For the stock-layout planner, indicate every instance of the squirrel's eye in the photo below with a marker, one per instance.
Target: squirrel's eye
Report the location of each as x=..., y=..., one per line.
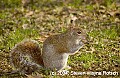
x=79, y=32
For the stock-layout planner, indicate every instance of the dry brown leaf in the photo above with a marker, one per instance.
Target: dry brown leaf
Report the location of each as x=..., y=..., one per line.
x=29, y=13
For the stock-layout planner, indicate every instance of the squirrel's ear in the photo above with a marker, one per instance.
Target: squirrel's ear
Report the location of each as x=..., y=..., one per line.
x=70, y=28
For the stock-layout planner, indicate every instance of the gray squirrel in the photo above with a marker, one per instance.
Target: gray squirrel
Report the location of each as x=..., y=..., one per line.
x=28, y=57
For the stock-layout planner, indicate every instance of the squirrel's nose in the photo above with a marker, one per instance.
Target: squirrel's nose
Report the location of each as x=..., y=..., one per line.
x=84, y=41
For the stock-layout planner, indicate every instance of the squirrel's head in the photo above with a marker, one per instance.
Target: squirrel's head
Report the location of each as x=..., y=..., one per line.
x=78, y=33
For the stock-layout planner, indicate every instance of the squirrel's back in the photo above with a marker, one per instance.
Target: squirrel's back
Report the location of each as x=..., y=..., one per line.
x=26, y=56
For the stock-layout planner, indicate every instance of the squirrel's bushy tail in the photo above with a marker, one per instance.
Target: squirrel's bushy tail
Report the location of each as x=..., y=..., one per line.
x=26, y=56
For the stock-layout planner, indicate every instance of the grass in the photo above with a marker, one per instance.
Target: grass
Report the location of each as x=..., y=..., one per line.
x=100, y=20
